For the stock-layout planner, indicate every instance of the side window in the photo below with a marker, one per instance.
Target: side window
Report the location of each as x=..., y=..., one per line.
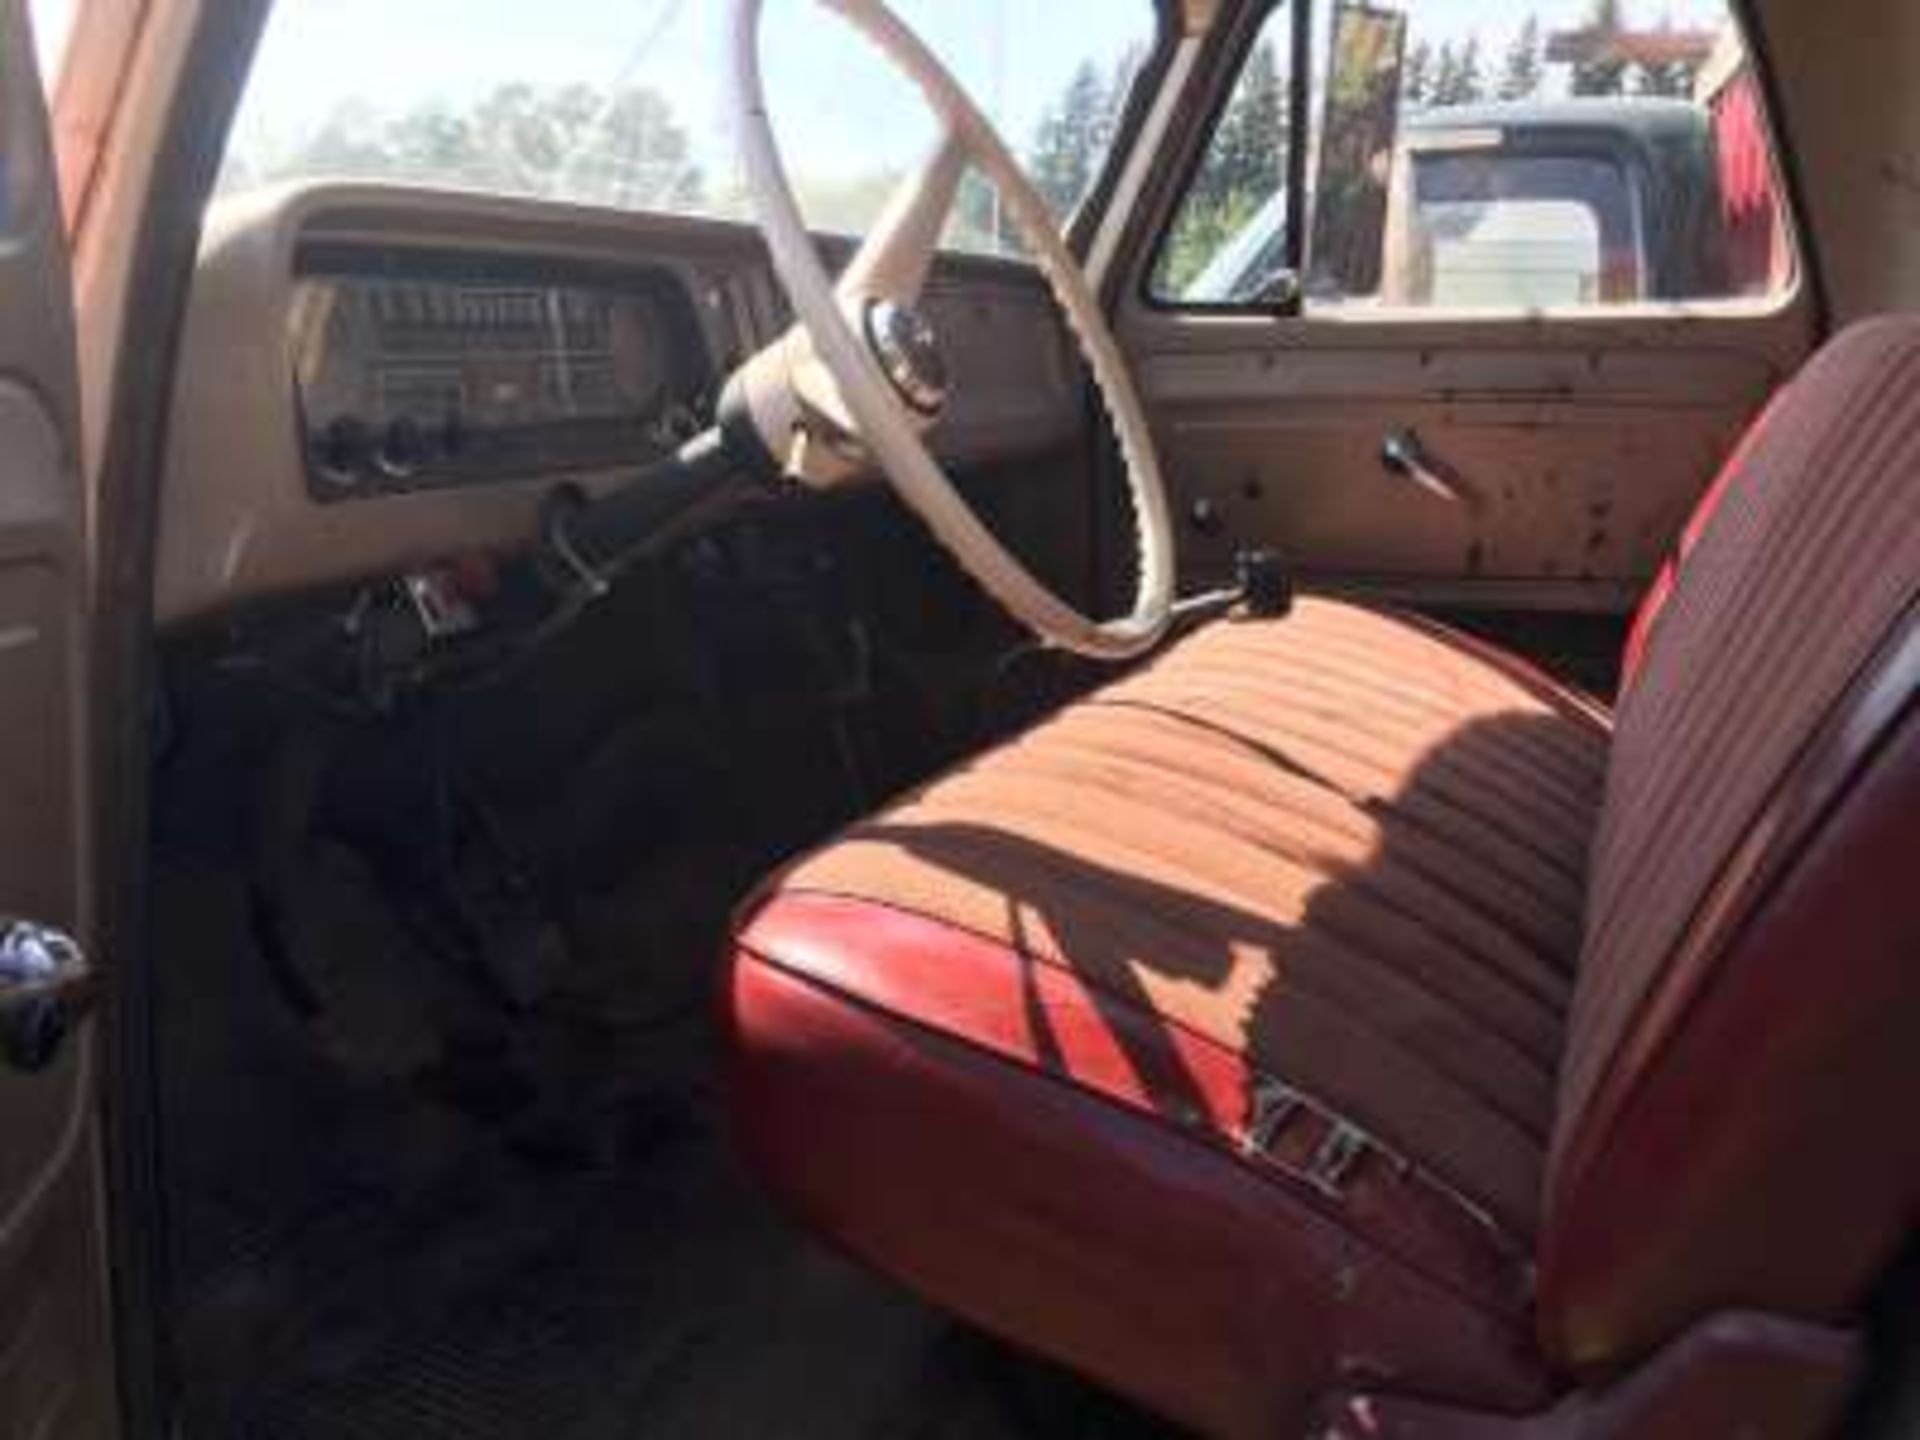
x=1228, y=242
x=1488, y=155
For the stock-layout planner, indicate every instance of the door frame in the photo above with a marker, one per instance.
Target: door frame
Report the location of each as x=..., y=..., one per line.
x=162, y=175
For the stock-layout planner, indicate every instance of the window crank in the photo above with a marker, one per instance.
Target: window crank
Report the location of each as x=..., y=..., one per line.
x=1402, y=454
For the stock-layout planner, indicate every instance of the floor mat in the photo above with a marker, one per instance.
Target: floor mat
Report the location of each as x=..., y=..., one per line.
x=585, y=1260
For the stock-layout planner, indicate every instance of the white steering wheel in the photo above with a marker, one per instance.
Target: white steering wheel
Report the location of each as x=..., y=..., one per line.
x=830, y=366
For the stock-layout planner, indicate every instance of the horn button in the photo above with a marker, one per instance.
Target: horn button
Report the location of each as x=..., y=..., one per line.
x=904, y=344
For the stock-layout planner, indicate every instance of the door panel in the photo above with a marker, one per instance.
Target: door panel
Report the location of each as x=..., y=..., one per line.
x=1580, y=445
x=1579, y=384
x=56, y=1377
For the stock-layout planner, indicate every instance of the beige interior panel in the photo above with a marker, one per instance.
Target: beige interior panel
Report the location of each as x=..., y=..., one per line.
x=237, y=522
x=1853, y=117
x=55, y=1379
x=56, y=1370
x=1582, y=450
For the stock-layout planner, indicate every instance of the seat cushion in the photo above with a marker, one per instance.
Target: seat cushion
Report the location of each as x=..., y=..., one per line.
x=1264, y=952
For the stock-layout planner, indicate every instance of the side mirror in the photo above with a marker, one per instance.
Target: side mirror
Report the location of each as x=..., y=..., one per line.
x=1359, y=130
x=1277, y=289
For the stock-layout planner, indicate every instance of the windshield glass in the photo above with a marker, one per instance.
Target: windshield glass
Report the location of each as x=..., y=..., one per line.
x=624, y=102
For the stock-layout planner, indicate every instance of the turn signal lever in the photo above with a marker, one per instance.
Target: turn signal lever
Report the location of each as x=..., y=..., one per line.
x=593, y=538
x=1266, y=585
x=1262, y=590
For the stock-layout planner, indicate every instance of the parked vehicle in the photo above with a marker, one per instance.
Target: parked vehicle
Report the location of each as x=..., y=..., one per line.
x=1527, y=205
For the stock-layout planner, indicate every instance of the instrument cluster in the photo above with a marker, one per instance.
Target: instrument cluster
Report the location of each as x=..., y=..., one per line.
x=421, y=370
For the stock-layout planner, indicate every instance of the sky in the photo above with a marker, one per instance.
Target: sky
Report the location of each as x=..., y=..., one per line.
x=51, y=21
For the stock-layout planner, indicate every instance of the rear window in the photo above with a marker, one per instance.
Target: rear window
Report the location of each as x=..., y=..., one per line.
x=1512, y=230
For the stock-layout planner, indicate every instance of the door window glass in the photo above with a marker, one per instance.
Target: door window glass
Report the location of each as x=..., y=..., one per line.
x=1500, y=155
x=1228, y=242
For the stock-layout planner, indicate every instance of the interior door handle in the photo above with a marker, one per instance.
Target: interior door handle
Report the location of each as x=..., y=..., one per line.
x=1402, y=454
x=46, y=985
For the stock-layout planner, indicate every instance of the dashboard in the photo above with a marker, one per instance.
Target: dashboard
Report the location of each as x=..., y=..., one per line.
x=374, y=378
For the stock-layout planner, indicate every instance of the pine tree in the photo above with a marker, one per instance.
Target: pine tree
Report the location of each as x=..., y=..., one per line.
x=1603, y=72
x=1446, y=75
x=1473, y=82
x=1067, y=147
x=1416, y=77
x=1456, y=77
x=1245, y=167
x=1113, y=105
x=1249, y=149
x=1524, y=69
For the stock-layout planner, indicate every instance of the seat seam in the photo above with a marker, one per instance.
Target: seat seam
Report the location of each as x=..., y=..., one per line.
x=1373, y=827
x=1307, y=666
x=1364, y=881
x=1369, y=803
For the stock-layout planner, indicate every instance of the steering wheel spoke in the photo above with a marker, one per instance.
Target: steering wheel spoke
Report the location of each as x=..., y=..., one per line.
x=893, y=262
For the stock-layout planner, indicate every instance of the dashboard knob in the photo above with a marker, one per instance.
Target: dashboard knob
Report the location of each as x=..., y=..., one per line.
x=453, y=435
x=340, y=452
x=403, y=450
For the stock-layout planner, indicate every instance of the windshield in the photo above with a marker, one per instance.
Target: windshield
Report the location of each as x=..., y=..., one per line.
x=624, y=102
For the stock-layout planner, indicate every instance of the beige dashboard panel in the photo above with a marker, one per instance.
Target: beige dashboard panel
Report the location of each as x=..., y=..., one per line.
x=237, y=521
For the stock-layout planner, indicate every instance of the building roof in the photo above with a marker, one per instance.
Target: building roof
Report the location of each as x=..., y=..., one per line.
x=1632, y=47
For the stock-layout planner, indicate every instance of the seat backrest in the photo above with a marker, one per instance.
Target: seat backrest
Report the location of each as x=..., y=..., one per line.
x=1735, y=1123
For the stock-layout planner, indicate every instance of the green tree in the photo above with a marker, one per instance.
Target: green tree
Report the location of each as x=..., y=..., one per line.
x=635, y=154
x=623, y=148
x=348, y=143
x=1416, y=76
x=1457, y=74
x=1524, y=68
x=1113, y=105
x=1602, y=71
x=1249, y=150
x=432, y=140
x=1245, y=166
x=1067, y=146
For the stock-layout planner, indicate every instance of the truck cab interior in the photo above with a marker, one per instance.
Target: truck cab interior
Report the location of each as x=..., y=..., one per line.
x=885, y=719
